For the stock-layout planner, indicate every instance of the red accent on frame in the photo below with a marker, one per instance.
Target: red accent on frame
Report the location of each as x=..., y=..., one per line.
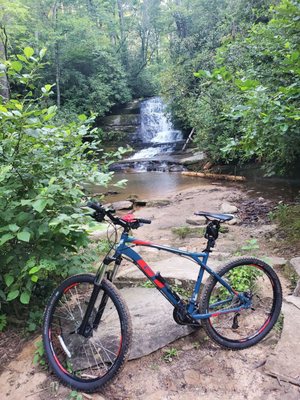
x=141, y=243
x=145, y=268
x=159, y=283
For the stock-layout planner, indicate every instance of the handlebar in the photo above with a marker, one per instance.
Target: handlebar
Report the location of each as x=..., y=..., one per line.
x=127, y=222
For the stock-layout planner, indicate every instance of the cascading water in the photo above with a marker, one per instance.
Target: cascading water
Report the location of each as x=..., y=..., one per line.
x=156, y=131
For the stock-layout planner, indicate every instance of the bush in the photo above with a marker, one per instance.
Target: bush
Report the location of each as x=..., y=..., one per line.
x=43, y=170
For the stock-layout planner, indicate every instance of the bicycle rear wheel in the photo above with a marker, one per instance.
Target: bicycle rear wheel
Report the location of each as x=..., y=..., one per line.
x=86, y=363
x=238, y=330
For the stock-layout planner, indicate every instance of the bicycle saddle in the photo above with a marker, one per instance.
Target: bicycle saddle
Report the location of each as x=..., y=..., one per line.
x=212, y=216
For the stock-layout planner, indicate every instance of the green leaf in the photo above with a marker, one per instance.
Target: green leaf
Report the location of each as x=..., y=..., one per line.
x=25, y=297
x=21, y=57
x=12, y=295
x=16, y=66
x=34, y=278
x=5, y=238
x=43, y=52
x=35, y=269
x=82, y=117
x=8, y=279
x=28, y=51
x=13, y=227
x=24, y=236
x=48, y=87
x=39, y=205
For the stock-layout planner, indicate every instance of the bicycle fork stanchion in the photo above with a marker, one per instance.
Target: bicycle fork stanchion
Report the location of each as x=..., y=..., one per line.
x=85, y=329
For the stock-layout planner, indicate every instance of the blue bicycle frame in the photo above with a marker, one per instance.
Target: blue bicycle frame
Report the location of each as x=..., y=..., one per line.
x=124, y=248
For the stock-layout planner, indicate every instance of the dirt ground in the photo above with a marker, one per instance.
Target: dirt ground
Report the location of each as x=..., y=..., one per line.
x=198, y=369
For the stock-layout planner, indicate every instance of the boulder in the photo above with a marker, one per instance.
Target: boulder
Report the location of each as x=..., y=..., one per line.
x=227, y=208
x=233, y=221
x=158, y=203
x=122, y=205
x=295, y=264
x=194, y=159
x=196, y=220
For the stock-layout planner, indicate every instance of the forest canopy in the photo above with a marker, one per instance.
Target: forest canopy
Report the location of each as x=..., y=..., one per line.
x=228, y=68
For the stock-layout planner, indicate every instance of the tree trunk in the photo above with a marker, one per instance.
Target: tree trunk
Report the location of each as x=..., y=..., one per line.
x=56, y=56
x=58, y=102
x=124, y=50
x=4, y=84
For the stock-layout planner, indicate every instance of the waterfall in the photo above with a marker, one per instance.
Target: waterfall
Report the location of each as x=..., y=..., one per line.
x=156, y=130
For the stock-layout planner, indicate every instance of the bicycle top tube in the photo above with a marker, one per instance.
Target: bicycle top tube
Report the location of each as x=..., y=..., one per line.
x=126, y=239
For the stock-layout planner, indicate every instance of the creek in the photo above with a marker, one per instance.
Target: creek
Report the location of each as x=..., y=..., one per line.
x=153, y=171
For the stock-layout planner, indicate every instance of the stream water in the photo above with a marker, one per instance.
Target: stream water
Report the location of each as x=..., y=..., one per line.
x=159, y=185
x=161, y=140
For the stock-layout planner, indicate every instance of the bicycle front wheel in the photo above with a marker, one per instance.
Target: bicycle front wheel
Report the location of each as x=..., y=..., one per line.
x=86, y=363
x=254, y=280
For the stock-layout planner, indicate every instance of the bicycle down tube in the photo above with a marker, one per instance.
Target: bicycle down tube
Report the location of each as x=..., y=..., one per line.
x=162, y=285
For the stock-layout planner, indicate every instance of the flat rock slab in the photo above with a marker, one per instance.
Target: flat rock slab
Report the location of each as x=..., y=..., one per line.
x=173, y=267
x=284, y=363
x=152, y=321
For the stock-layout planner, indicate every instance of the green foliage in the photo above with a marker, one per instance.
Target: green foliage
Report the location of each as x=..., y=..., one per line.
x=39, y=354
x=186, y=231
x=170, y=354
x=279, y=324
x=288, y=220
x=243, y=98
x=244, y=278
x=43, y=171
x=74, y=395
x=250, y=245
x=3, y=322
x=148, y=284
x=181, y=291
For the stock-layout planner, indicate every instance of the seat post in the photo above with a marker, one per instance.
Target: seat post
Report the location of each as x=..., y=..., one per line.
x=211, y=234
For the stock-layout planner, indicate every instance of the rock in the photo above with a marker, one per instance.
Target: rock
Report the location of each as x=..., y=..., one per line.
x=192, y=377
x=227, y=208
x=295, y=264
x=284, y=362
x=158, y=203
x=196, y=220
x=122, y=205
x=207, y=165
x=170, y=268
x=233, y=221
x=141, y=203
x=175, y=168
x=194, y=159
x=152, y=321
x=276, y=262
x=297, y=290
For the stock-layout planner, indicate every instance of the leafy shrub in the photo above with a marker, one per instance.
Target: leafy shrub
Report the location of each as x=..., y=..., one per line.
x=288, y=219
x=43, y=171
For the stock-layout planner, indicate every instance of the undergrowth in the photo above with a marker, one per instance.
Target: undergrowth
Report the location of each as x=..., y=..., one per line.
x=288, y=219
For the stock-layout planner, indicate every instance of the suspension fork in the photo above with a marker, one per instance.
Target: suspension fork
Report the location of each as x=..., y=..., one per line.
x=110, y=276
x=85, y=329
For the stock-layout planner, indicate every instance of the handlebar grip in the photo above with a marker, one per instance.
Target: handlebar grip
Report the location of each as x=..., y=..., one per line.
x=95, y=206
x=144, y=221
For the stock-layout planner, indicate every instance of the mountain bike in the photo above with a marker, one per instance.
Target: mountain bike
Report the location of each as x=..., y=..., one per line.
x=87, y=328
